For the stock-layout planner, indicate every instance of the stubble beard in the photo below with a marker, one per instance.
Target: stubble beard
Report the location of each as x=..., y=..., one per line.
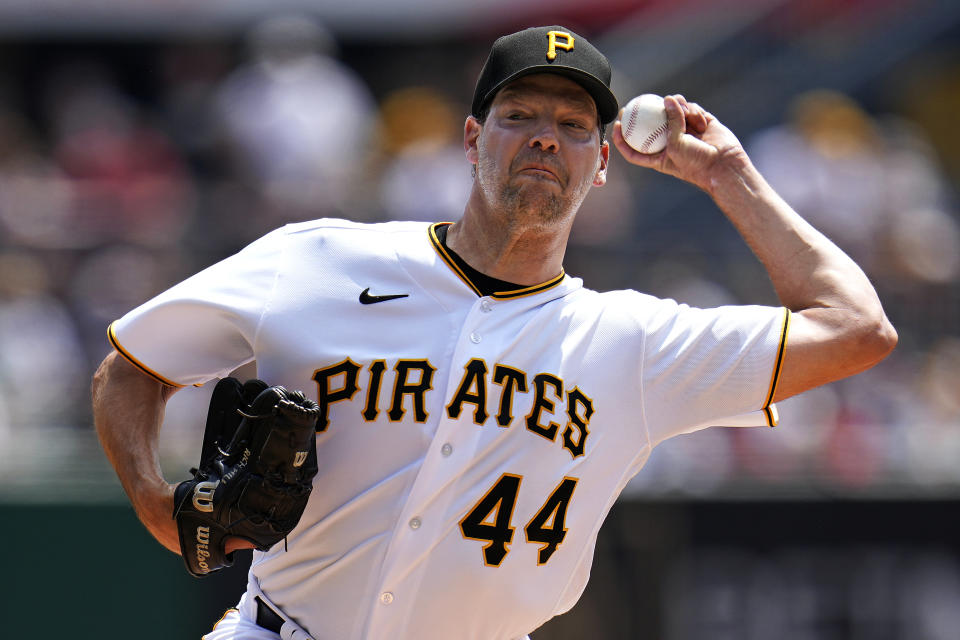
x=523, y=204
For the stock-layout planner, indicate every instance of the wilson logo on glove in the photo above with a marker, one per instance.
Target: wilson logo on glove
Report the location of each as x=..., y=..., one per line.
x=203, y=496
x=203, y=546
x=299, y=458
x=256, y=471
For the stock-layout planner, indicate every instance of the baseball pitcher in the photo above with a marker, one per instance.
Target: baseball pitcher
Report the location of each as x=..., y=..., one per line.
x=475, y=410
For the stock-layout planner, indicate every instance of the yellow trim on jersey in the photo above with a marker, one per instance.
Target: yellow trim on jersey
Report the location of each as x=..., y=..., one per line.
x=529, y=291
x=225, y=614
x=500, y=295
x=112, y=336
x=768, y=407
x=773, y=415
x=439, y=248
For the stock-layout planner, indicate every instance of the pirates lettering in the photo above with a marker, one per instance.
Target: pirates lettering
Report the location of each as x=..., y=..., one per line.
x=553, y=409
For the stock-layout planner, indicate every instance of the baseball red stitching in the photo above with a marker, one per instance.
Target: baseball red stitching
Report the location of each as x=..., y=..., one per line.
x=632, y=121
x=654, y=135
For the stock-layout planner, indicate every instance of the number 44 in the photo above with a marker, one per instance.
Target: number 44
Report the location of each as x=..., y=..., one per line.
x=489, y=520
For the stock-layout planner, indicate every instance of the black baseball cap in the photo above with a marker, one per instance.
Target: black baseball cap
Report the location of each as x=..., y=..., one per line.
x=546, y=50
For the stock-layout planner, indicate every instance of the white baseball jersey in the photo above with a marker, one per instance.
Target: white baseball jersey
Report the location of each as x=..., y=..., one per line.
x=470, y=445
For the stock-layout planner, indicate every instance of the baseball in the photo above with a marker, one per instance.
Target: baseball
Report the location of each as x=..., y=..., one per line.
x=644, y=123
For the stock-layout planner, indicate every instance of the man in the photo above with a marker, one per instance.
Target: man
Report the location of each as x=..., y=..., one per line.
x=481, y=410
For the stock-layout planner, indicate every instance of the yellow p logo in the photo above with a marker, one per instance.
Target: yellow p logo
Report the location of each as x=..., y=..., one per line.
x=553, y=44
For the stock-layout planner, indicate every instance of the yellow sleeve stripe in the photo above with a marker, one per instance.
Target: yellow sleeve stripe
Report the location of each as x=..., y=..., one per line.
x=112, y=336
x=773, y=416
x=768, y=407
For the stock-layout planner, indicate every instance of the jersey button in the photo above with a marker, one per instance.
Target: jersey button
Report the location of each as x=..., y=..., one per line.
x=446, y=450
x=475, y=338
x=486, y=306
x=415, y=523
x=386, y=597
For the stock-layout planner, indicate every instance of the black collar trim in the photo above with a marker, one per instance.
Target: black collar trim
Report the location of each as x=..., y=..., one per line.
x=479, y=283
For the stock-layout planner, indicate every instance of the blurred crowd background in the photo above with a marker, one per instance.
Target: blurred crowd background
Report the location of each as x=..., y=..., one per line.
x=141, y=142
x=134, y=155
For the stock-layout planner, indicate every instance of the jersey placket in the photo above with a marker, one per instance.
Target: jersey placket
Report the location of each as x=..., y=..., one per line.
x=450, y=452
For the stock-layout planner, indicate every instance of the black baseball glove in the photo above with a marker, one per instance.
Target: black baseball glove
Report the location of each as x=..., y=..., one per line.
x=256, y=471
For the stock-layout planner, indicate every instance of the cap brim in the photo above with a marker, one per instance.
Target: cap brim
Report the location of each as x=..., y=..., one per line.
x=607, y=105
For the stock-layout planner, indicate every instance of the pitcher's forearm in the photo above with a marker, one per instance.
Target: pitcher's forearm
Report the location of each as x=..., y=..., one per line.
x=807, y=270
x=835, y=306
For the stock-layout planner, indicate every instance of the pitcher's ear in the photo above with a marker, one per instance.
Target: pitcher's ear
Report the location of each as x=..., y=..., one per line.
x=471, y=131
x=600, y=178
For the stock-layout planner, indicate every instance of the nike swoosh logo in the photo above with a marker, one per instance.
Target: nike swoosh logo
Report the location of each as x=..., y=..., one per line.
x=366, y=298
